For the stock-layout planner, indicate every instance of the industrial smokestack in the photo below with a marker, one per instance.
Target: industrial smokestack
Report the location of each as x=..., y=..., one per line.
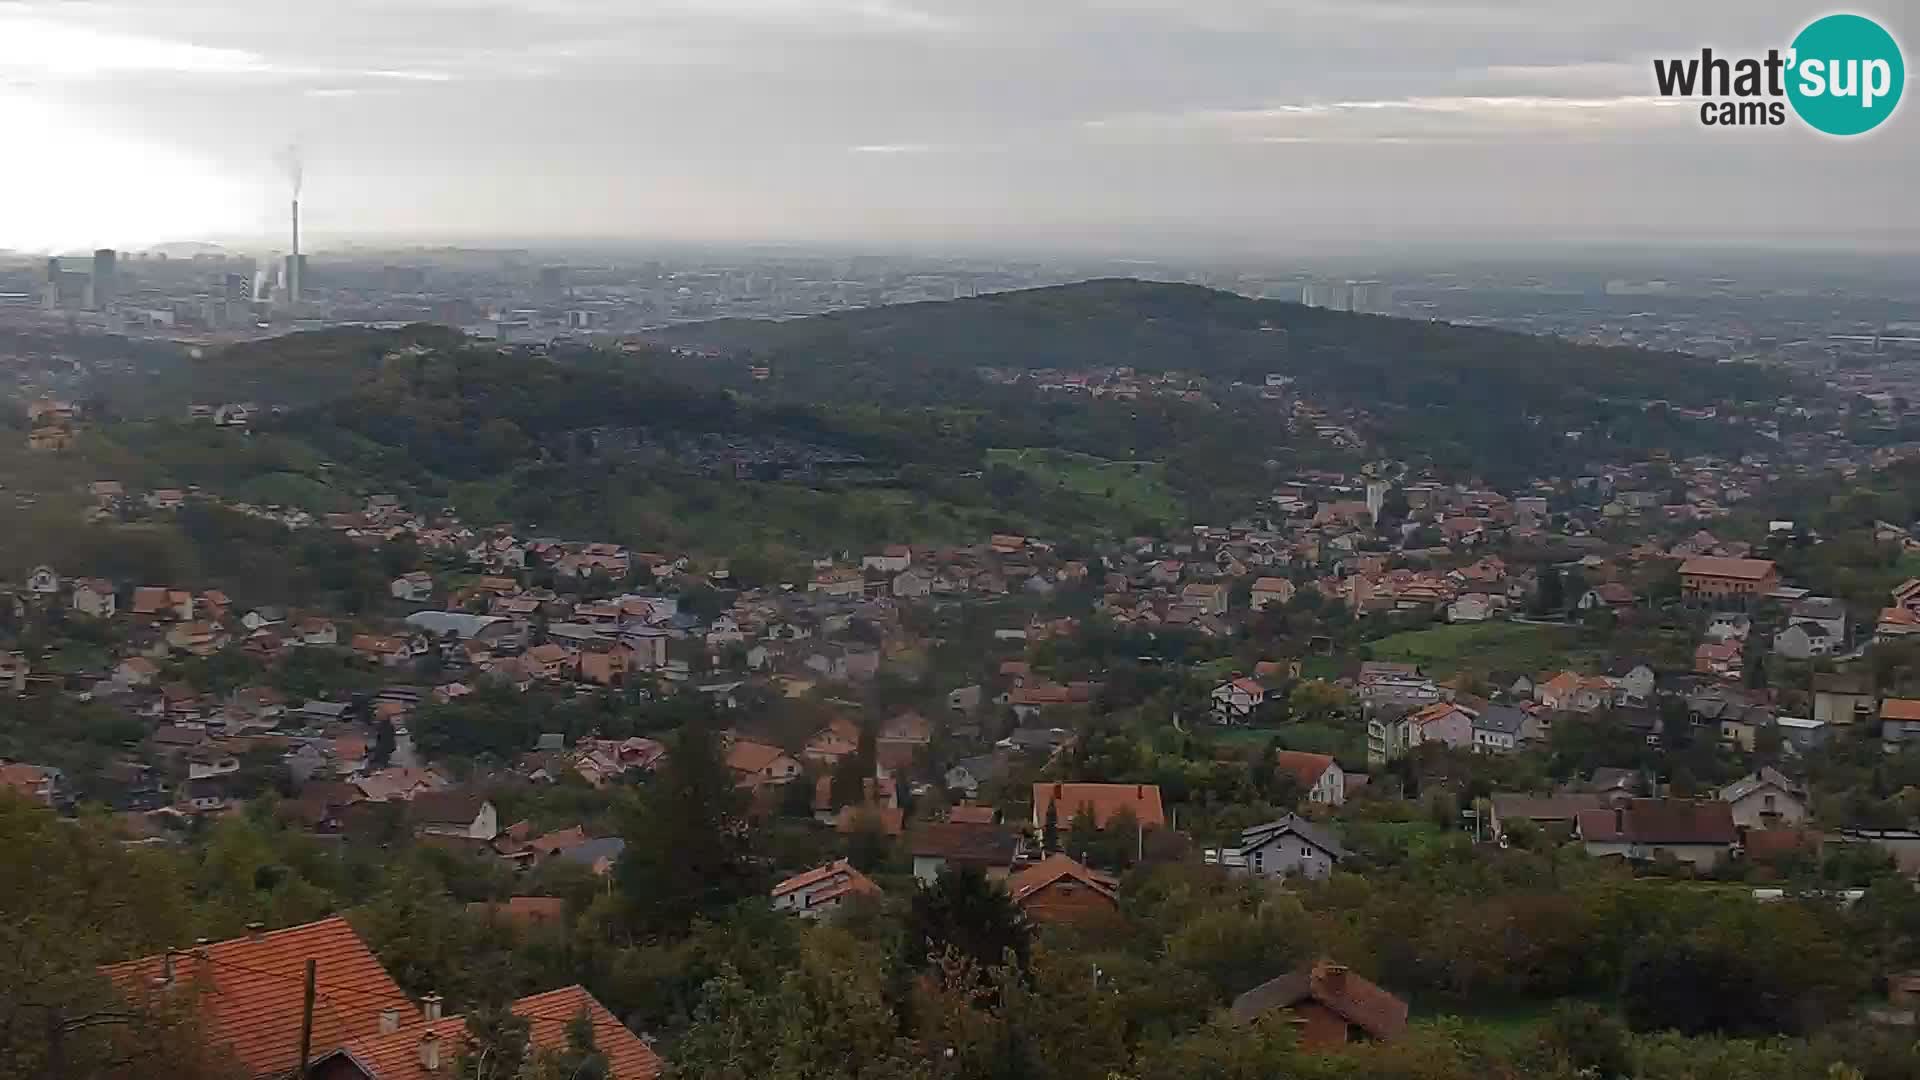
x=293, y=264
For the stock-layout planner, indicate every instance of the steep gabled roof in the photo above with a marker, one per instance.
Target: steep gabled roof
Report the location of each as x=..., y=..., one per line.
x=1053, y=868
x=250, y=990
x=1356, y=1000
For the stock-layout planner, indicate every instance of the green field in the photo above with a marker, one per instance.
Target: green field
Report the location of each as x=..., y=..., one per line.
x=1137, y=489
x=1480, y=647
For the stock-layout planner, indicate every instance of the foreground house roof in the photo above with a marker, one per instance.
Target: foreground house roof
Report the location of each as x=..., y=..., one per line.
x=250, y=990
x=1354, y=999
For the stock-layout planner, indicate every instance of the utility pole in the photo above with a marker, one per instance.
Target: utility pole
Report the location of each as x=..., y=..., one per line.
x=306, y=1026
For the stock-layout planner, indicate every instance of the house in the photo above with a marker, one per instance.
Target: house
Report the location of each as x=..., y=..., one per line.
x=1633, y=680
x=1700, y=833
x=1235, y=700
x=1611, y=596
x=1470, y=608
x=549, y=661
x=1104, y=800
x=158, y=603
x=1805, y=640
x=938, y=845
x=42, y=785
x=1497, y=729
x=250, y=991
x=1899, y=721
x=968, y=775
x=95, y=597
x=1572, y=692
x=317, y=632
x=1329, y=1005
x=416, y=586
x=1830, y=613
x=892, y=560
x=429, y=1045
x=14, y=669
x=1289, y=846
x=388, y=651
x=1441, y=722
x=464, y=814
x=598, y=855
x=1714, y=578
x=821, y=890
x=1558, y=812
x=1059, y=890
x=1765, y=800
x=1319, y=776
x=1843, y=699
x=1271, y=592
x=42, y=582
x=755, y=763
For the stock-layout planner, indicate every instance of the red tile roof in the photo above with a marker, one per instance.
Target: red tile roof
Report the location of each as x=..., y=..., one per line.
x=251, y=990
x=1052, y=869
x=1105, y=799
x=1302, y=766
x=1355, y=999
x=1716, y=566
x=396, y=1055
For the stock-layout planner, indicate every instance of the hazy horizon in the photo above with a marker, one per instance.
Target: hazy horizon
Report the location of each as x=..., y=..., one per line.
x=1151, y=128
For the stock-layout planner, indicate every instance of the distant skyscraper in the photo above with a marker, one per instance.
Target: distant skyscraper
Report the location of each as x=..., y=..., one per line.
x=1326, y=294
x=1371, y=297
x=104, y=290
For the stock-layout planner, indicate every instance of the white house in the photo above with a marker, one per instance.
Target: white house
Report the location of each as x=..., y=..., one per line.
x=43, y=581
x=892, y=560
x=1765, y=800
x=1271, y=592
x=93, y=596
x=1235, y=700
x=416, y=586
x=1319, y=775
x=1470, y=608
x=453, y=813
x=1805, y=640
x=1289, y=846
x=821, y=890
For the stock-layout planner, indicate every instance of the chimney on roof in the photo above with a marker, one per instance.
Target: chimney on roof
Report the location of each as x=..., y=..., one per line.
x=430, y=1007
x=166, y=969
x=1058, y=792
x=389, y=1021
x=1619, y=819
x=1139, y=791
x=255, y=929
x=430, y=1051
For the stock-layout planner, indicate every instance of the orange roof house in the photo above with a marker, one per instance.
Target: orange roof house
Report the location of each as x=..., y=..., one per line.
x=1330, y=1005
x=1709, y=576
x=1106, y=800
x=430, y=1048
x=250, y=990
x=1058, y=889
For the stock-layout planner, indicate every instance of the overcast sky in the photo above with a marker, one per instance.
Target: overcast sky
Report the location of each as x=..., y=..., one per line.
x=1309, y=124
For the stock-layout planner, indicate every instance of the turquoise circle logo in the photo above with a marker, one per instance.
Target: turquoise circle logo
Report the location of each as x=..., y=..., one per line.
x=1847, y=75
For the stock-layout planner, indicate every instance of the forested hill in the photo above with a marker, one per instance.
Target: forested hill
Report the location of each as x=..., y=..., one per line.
x=1166, y=327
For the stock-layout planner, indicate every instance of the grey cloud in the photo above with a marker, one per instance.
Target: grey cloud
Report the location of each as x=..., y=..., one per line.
x=975, y=120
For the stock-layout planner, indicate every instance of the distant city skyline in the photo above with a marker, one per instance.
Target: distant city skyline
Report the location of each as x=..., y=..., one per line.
x=1306, y=127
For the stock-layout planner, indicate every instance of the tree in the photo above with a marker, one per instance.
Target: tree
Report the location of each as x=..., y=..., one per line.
x=867, y=845
x=495, y=1047
x=383, y=743
x=1083, y=833
x=688, y=846
x=579, y=1059
x=851, y=773
x=1551, y=595
x=1050, y=829
x=963, y=911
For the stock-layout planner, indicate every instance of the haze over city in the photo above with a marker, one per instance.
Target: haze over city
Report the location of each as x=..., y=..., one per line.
x=1148, y=125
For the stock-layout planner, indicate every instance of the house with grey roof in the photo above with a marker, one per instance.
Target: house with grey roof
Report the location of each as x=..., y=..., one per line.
x=1290, y=846
x=1497, y=728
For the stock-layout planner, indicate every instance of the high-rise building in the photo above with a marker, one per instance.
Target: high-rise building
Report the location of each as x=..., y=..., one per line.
x=1371, y=297
x=104, y=290
x=1333, y=295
